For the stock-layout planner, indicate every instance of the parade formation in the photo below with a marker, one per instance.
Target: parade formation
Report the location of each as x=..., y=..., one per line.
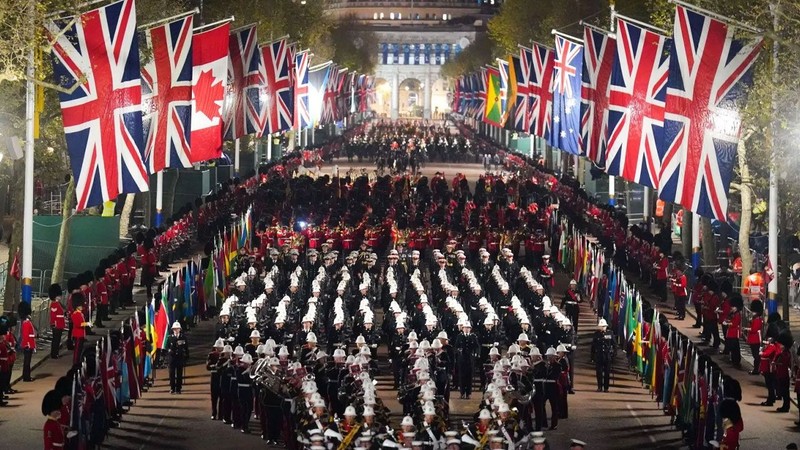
x=435, y=285
x=371, y=278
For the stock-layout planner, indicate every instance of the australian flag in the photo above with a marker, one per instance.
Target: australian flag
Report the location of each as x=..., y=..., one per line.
x=567, y=96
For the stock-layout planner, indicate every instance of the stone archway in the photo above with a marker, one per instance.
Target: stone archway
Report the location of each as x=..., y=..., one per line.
x=383, y=97
x=411, y=98
x=422, y=78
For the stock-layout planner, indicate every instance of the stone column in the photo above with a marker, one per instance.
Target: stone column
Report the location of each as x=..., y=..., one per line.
x=426, y=96
x=395, y=96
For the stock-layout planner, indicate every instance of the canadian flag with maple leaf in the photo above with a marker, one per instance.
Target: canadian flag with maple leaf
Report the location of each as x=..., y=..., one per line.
x=209, y=79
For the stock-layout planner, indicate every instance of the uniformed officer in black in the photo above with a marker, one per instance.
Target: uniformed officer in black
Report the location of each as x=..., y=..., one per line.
x=602, y=354
x=466, y=346
x=178, y=351
x=571, y=303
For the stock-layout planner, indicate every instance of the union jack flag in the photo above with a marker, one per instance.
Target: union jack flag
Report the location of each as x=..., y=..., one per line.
x=371, y=94
x=330, y=94
x=167, y=96
x=598, y=57
x=540, y=104
x=318, y=77
x=636, y=110
x=103, y=116
x=708, y=71
x=522, y=67
x=277, y=97
x=302, y=115
x=457, y=95
x=343, y=94
x=479, y=96
x=243, y=112
x=567, y=68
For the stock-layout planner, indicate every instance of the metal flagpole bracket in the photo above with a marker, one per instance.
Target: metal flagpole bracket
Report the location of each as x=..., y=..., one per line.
x=254, y=24
x=642, y=24
x=567, y=36
x=598, y=29
x=167, y=19
x=213, y=24
x=549, y=47
x=64, y=11
x=717, y=16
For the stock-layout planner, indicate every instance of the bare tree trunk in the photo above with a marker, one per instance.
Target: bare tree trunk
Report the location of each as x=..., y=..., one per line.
x=172, y=188
x=11, y=296
x=686, y=234
x=63, y=235
x=746, y=194
x=125, y=215
x=666, y=221
x=709, y=246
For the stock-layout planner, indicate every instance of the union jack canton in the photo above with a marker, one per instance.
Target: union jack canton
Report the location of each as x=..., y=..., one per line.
x=636, y=111
x=103, y=116
x=708, y=70
x=167, y=95
x=277, y=100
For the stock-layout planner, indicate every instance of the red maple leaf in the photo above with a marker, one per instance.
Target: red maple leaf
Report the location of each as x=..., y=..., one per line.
x=207, y=91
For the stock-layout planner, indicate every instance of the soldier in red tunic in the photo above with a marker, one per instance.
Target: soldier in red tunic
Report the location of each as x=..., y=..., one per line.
x=28, y=337
x=54, y=437
x=57, y=320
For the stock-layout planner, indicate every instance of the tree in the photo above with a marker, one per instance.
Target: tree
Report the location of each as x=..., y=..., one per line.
x=306, y=23
x=353, y=46
x=21, y=26
x=477, y=54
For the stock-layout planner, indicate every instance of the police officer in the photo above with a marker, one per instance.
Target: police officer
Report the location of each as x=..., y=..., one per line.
x=602, y=354
x=178, y=351
x=467, y=347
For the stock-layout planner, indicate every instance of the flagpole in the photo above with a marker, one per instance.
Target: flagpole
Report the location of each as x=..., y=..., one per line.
x=269, y=147
x=236, y=157
x=772, y=209
x=27, y=217
x=640, y=23
x=567, y=36
x=167, y=19
x=159, y=197
x=213, y=24
x=612, y=188
x=716, y=16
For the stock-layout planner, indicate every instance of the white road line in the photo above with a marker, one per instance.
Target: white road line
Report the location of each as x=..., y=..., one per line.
x=635, y=416
x=160, y=422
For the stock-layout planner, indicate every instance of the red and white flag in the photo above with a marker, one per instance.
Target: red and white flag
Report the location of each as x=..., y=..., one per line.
x=209, y=84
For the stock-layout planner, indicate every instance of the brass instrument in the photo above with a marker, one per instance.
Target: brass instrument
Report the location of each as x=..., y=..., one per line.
x=348, y=440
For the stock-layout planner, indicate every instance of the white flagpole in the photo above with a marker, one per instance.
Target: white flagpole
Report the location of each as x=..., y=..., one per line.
x=236, y=157
x=159, y=197
x=612, y=194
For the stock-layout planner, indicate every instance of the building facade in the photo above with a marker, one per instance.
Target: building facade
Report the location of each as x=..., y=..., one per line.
x=415, y=38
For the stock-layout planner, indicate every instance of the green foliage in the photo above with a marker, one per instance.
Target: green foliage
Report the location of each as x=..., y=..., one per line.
x=305, y=23
x=353, y=46
x=477, y=54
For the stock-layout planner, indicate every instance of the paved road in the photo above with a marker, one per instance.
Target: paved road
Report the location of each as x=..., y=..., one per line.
x=624, y=418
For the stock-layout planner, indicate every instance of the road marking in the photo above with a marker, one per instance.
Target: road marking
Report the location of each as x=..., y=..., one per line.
x=635, y=416
x=160, y=422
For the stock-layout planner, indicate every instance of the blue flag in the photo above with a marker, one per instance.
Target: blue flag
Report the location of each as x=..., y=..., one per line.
x=567, y=96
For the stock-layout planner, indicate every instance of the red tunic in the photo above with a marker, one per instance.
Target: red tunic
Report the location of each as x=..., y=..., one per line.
x=53, y=435
x=57, y=320
x=754, y=335
x=734, y=326
x=77, y=325
x=28, y=335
